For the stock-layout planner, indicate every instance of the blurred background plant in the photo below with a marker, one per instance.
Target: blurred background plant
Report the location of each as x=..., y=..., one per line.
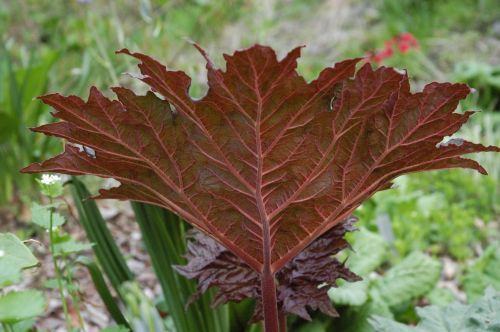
x=449, y=217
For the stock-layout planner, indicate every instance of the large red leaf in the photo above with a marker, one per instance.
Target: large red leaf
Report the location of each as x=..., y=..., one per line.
x=265, y=162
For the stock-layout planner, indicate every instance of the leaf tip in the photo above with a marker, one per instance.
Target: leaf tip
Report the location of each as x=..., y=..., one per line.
x=203, y=53
x=123, y=51
x=30, y=169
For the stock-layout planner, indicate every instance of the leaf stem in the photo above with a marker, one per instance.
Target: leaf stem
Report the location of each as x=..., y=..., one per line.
x=57, y=271
x=269, y=301
x=282, y=320
x=73, y=292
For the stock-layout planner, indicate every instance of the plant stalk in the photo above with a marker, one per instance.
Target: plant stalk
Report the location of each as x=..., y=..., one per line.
x=269, y=301
x=282, y=319
x=57, y=271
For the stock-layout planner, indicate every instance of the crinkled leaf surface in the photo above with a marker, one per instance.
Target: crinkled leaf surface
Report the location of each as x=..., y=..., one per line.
x=415, y=276
x=265, y=162
x=302, y=283
x=483, y=273
x=481, y=316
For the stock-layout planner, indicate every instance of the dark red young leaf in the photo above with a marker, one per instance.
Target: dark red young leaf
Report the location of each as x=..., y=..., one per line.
x=303, y=282
x=265, y=162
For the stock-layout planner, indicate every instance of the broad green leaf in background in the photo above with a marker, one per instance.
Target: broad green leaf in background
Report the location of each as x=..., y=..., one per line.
x=350, y=293
x=40, y=215
x=416, y=275
x=18, y=306
x=370, y=250
x=355, y=319
x=14, y=257
x=382, y=324
x=483, y=273
x=480, y=317
x=440, y=296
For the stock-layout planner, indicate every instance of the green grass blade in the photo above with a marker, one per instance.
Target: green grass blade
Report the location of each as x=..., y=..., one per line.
x=107, y=252
x=163, y=234
x=104, y=292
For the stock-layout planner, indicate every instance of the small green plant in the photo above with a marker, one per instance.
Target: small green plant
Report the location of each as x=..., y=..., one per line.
x=140, y=311
x=17, y=308
x=62, y=245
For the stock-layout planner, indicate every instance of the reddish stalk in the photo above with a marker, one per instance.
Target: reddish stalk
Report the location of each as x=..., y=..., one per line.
x=269, y=302
x=282, y=319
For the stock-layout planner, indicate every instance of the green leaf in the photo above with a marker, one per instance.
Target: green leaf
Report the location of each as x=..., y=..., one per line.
x=70, y=246
x=480, y=317
x=382, y=324
x=14, y=257
x=314, y=326
x=24, y=326
x=52, y=283
x=350, y=293
x=440, y=296
x=9, y=277
x=369, y=252
x=355, y=319
x=416, y=275
x=18, y=306
x=484, y=272
x=40, y=215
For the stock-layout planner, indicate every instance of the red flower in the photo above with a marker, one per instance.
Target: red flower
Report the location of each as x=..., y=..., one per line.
x=405, y=42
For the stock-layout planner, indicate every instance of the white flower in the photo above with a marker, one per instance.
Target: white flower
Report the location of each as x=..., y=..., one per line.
x=2, y=253
x=49, y=179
